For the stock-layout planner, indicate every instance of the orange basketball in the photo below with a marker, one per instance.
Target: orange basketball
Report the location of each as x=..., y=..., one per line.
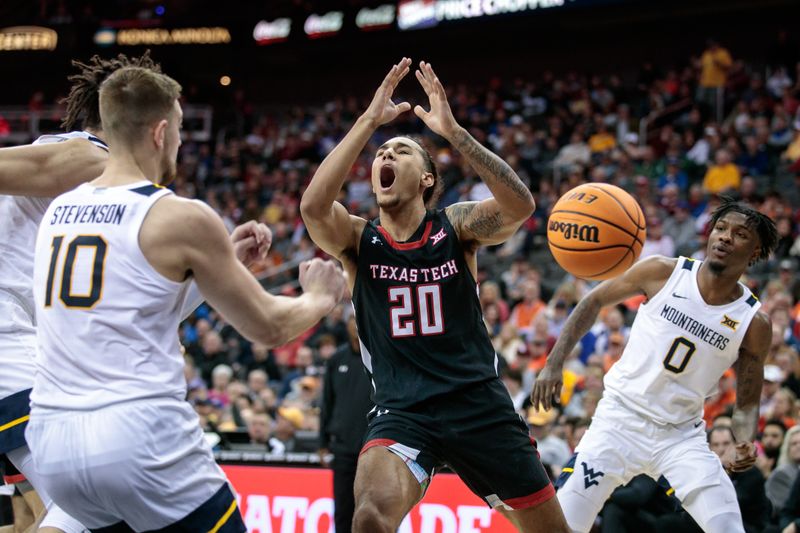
x=596, y=231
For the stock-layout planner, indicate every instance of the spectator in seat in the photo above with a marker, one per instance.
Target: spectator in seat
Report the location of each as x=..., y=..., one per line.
x=680, y=227
x=780, y=481
x=723, y=175
x=772, y=437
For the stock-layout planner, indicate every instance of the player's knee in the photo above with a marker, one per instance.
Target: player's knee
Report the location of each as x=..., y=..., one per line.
x=368, y=518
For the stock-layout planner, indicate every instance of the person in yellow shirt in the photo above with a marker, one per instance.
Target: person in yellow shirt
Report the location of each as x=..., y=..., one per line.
x=723, y=175
x=792, y=152
x=714, y=64
x=602, y=140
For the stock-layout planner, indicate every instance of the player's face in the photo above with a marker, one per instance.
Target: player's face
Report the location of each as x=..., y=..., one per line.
x=172, y=141
x=398, y=173
x=732, y=245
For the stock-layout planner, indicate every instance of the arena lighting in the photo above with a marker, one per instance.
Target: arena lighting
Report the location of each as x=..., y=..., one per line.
x=272, y=32
x=317, y=26
x=105, y=37
x=416, y=14
x=162, y=36
x=225, y=81
x=27, y=38
x=379, y=18
x=461, y=9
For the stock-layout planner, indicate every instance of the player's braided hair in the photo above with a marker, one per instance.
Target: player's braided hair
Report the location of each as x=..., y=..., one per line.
x=758, y=222
x=83, y=101
x=431, y=195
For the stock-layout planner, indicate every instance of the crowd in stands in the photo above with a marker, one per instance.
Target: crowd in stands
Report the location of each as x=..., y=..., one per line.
x=713, y=126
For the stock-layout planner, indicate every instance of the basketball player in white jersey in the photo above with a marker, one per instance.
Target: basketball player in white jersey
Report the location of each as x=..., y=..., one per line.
x=113, y=440
x=29, y=177
x=697, y=321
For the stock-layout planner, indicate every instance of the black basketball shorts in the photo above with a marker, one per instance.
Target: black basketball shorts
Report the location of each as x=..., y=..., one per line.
x=477, y=434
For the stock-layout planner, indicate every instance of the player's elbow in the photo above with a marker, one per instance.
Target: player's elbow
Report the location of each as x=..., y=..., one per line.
x=312, y=208
x=270, y=336
x=523, y=208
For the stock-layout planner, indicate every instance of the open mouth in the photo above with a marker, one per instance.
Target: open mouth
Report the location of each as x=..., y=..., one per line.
x=387, y=176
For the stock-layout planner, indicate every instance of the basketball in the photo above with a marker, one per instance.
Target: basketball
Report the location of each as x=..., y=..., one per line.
x=596, y=231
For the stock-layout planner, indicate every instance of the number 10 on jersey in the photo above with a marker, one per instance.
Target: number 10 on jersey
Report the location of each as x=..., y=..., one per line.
x=428, y=317
x=95, y=271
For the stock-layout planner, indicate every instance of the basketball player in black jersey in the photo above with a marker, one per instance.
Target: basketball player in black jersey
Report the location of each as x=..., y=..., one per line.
x=438, y=399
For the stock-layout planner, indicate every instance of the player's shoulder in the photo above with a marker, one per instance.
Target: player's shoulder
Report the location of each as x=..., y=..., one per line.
x=182, y=213
x=656, y=266
x=72, y=137
x=760, y=325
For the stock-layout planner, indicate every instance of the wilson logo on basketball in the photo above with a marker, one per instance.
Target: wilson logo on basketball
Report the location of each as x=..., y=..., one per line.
x=571, y=230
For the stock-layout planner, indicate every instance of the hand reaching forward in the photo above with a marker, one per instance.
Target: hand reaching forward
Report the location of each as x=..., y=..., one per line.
x=547, y=388
x=382, y=109
x=440, y=118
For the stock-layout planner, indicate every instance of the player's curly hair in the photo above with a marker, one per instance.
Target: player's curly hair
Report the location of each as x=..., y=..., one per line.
x=83, y=101
x=431, y=195
x=755, y=220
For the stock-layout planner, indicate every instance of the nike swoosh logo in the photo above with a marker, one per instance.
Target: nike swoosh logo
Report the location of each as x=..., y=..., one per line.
x=698, y=424
x=679, y=296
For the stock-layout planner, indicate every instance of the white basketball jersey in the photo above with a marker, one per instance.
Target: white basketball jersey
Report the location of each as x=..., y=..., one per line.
x=679, y=347
x=107, y=321
x=19, y=222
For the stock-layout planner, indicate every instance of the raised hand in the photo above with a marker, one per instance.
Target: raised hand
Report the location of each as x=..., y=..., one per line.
x=251, y=242
x=440, y=118
x=382, y=109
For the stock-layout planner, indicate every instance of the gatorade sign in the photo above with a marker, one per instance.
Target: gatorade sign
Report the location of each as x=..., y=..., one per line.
x=288, y=500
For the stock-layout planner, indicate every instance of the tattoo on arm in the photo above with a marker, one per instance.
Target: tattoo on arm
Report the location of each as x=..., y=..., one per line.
x=750, y=377
x=480, y=224
x=491, y=168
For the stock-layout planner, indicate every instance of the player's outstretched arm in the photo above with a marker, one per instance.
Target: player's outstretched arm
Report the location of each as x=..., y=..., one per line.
x=495, y=219
x=48, y=170
x=749, y=381
x=328, y=223
x=181, y=237
x=646, y=277
x=251, y=242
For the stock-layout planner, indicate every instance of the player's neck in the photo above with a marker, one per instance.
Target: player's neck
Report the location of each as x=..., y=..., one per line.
x=718, y=288
x=402, y=223
x=125, y=167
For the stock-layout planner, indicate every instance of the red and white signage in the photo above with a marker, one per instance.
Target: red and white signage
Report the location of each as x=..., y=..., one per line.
x=317, y=26
x=275, y=31
x=289, y=500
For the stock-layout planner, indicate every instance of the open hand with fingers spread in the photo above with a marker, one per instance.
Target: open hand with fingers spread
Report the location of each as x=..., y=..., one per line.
x=440, y=118
x=382, y=109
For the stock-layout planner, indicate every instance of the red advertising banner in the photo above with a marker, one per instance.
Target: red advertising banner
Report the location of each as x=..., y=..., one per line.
x=289, y=500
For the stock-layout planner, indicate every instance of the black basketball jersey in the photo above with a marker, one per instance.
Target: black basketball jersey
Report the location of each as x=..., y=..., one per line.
x=418, y=314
